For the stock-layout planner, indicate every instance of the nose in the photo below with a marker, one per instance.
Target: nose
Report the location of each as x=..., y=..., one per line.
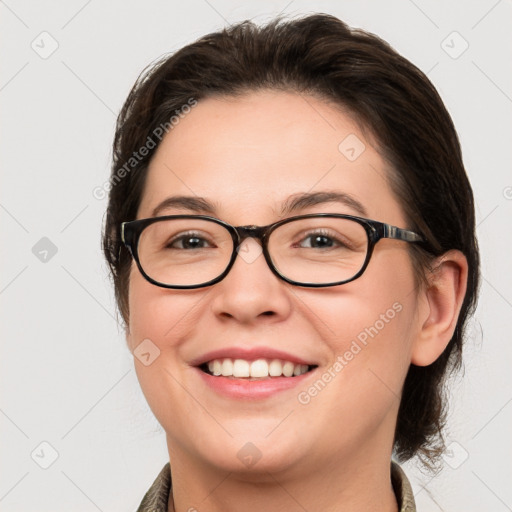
x=251, y=291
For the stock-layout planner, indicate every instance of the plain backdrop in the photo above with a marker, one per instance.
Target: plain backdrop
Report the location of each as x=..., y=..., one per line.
x=76, y=433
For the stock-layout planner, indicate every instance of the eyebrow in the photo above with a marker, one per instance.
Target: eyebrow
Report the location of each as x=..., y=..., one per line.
x=293, y=204
x=301, y=201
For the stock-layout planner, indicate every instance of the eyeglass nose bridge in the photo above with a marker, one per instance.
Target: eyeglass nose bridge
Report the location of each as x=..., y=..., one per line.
x=259, y=233
x=244, y=232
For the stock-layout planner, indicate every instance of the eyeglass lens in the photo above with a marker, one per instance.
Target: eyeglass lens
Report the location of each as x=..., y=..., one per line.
x=317, y=250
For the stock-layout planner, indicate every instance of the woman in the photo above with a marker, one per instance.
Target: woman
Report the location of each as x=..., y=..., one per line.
x=291, y=235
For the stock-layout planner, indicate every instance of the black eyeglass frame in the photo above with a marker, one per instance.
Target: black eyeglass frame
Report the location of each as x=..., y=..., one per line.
x=375, y=230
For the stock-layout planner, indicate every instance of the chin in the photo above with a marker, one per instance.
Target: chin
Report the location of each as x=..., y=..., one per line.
x=253, y=460
x=249, y=454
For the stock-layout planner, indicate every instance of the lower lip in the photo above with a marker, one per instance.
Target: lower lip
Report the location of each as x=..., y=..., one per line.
x=251, y=389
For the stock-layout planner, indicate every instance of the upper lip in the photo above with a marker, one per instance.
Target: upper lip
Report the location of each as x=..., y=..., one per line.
x=249, y=354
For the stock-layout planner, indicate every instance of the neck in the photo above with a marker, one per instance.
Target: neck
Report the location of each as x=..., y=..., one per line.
x=358, y=483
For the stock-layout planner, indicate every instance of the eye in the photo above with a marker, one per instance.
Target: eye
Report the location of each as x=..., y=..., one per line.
x=189, y=240
x=321, y=240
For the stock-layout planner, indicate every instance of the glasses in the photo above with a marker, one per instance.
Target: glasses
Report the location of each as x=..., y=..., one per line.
x=316, y=250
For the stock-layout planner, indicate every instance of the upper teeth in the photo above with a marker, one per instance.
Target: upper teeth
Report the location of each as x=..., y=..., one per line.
x=258, y=368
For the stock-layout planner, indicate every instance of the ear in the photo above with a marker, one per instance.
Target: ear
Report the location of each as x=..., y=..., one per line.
x=440, y=307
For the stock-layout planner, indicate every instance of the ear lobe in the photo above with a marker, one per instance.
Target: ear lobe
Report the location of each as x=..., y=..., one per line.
x=441, y=306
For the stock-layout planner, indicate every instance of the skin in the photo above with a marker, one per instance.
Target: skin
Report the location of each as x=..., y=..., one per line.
x=248, y=155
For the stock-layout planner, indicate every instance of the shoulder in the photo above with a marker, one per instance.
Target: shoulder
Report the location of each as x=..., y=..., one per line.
x=156, y=498
x=402, y=488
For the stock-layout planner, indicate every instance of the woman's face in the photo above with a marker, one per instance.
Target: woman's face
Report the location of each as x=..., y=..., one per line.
x=248, y=156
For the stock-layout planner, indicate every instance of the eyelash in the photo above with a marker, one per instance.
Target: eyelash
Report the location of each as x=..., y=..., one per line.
x=191, y=234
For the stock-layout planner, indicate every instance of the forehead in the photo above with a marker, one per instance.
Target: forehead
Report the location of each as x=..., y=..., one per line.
x=247, y=155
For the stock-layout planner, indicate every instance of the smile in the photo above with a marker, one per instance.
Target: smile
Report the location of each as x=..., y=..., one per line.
x=252, y=373
x=257, y=369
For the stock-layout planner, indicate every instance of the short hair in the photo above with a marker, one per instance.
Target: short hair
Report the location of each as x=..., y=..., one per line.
x=393, y=102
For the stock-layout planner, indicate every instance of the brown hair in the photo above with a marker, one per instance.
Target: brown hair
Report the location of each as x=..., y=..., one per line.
x=397, y=104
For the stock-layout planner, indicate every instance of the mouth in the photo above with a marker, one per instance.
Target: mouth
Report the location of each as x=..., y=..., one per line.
x=252, y=373
x=254, y=370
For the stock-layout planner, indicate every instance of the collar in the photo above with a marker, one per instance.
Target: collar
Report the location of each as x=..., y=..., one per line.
x=157, y=497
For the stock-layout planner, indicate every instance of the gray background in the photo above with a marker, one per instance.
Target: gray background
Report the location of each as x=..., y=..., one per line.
x=67, y=379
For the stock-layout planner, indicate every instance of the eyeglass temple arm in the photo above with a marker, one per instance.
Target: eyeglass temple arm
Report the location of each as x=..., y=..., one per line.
x=126, y=236
x=389, y=231
x=386, y=231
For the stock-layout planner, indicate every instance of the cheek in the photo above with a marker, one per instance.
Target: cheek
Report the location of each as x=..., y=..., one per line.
x=365, y=331
x=380, y=305
x=369, y=327
x=159, y=320
x=388, y=302
x=158, y=314
x=370, y=339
